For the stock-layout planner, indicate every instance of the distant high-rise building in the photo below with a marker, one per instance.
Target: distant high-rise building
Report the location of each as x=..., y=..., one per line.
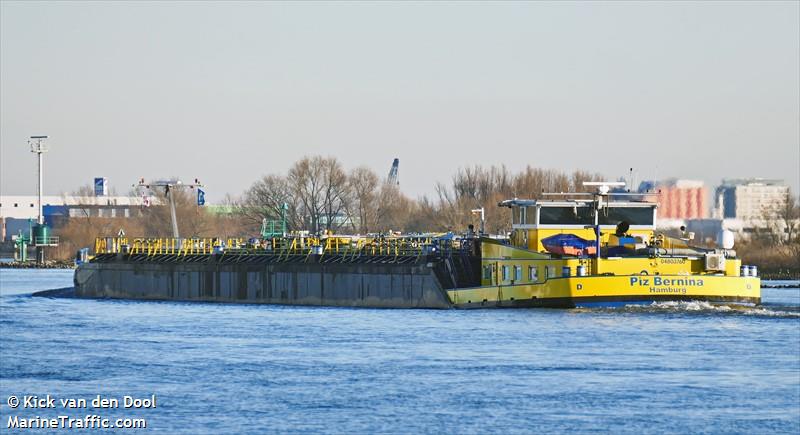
x=748, y=200
x=679, y=199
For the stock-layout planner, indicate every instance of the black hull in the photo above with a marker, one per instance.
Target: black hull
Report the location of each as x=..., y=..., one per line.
x=378, y=282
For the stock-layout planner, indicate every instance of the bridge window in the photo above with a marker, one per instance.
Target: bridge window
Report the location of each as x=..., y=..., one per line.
x=530, y=216
x=566, y=216
x=632, y=215
x=517, y=273
x=487, y=272
x=505, y=273
x=518, y=215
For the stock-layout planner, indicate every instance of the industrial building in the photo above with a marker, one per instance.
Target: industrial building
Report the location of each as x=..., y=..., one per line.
x=748, y=200
x=17, y=211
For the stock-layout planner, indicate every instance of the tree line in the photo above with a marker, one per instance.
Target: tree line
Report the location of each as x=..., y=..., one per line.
x=320, y=195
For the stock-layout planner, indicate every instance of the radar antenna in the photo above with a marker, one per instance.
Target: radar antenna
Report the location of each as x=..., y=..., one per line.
x=603, y=187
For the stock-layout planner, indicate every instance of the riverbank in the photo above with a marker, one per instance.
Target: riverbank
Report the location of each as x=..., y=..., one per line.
x=52, y=264
x=778, y=274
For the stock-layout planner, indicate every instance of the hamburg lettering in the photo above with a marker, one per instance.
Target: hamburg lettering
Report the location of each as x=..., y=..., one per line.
x=681, y=290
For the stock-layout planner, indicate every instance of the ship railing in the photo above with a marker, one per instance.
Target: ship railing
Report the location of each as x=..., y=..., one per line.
x=283, y=246
x=45, y=241
x=164, y=246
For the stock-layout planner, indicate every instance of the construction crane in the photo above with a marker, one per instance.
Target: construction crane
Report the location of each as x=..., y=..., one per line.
x=393, y=178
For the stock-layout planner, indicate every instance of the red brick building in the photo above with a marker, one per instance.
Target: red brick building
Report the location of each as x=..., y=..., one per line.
x=682, y=199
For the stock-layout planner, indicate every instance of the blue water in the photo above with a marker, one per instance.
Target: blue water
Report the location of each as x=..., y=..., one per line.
x=216, y=368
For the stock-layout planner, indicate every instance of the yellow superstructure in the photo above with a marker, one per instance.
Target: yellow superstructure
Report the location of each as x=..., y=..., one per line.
x=637, y=266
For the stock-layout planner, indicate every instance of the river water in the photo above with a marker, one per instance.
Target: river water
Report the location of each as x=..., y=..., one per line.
x=226, y=368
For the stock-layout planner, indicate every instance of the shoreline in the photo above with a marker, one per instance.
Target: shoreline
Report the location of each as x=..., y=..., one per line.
x=32, y=265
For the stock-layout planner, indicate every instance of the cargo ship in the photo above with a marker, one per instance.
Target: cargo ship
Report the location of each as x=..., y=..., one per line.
x=565, y=251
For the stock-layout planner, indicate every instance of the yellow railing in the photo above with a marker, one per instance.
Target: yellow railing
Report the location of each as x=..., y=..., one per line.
x=159, y=246
x=293, y=245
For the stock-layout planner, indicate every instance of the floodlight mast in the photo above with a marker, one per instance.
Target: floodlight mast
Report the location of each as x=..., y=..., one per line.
x=38, y=146
x=168, y=187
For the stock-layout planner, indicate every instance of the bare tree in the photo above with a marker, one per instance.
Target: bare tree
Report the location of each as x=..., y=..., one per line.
x=780, y=222
x=265, y=199
x=479, y=186
x=336, y=194
x=393, y=209
x=362, y=208
x=320, y=187
x=306, y=182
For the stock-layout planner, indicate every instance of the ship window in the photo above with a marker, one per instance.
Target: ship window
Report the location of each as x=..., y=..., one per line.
x=632, y=215
x=566, y=216
x=487, y=272
x=505, y=273
x=517, y=273
x=533, y=273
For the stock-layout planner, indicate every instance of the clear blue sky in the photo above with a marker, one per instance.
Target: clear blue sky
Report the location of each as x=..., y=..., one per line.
x=229, y=91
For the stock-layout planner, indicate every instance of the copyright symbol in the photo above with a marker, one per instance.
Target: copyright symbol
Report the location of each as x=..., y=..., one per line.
x=13, y=401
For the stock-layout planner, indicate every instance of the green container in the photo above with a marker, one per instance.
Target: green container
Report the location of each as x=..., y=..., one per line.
x=41, y=234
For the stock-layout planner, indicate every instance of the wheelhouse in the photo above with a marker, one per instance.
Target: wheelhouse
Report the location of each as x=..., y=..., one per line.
x=534, y=220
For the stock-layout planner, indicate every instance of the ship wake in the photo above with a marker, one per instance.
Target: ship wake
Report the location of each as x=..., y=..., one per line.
x=705, y=308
